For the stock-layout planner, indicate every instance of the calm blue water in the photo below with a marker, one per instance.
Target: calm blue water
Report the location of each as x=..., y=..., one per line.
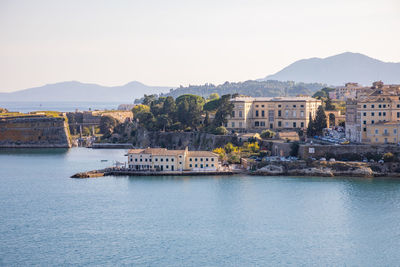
x=26, y=106
x=47, y=218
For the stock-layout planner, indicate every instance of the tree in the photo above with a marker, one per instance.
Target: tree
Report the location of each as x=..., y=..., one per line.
x=266, y=134
x=190, y=109
x=294, y=149
x=148, y=99
x=146, y=119
x=224, y=110
x=328, y=104
x=320, y=121
x=311, y=127
x=221, y=130
x=163, y=122
x=169, y=106
x=213, y=96
x=107, y=124
x=140, y=108
x=207, y=121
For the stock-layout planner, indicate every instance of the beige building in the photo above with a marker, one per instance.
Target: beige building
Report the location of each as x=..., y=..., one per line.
x=162, y=159
x=272, y=112
x=349, y=91
x=383, y=133
x=381, y=107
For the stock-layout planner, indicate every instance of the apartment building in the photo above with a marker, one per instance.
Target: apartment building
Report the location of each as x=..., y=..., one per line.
x=162, y=159
x=272, y=112
x=369, y=115
x=349, y=91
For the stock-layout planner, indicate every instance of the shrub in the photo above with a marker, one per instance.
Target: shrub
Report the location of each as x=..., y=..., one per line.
x=266, y=134
x=388, y=157
x=221, y=130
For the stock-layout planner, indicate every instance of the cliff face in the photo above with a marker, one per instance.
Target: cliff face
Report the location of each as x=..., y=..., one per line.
x=34, y=132
x=173, y=140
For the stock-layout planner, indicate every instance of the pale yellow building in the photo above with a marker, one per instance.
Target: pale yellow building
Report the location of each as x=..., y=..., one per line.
x=162, y=159
x=379, y=107
x=272, y=112
x=383, y=133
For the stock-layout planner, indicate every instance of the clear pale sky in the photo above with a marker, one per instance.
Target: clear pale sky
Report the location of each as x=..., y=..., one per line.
x=173, y=42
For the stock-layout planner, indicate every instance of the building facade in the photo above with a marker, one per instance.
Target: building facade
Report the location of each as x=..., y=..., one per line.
x=272, y=112
x=162, y=159
x=369, y=115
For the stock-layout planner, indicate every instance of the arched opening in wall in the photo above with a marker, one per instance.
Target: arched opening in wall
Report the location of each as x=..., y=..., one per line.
x=332, y=119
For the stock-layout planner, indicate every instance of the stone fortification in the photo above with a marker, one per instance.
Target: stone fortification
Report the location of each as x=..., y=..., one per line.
x=37, y=131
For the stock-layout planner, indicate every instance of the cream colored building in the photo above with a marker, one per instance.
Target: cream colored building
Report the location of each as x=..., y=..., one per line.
x=383, y=133
x=381, y=107
x=272, y=112
x=162, y=159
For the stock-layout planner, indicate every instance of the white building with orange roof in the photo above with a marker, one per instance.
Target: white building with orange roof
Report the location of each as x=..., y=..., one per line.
x=162, y=159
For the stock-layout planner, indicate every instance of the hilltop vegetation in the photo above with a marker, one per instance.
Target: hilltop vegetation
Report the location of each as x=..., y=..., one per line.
x=251, y=88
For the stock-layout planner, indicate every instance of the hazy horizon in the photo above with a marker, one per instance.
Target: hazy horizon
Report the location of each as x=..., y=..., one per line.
x=176, y=43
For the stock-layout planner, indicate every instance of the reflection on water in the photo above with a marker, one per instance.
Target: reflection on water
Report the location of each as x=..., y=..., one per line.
x=50, y=219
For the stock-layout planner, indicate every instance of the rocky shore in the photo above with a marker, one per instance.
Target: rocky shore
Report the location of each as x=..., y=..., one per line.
x=326, y=169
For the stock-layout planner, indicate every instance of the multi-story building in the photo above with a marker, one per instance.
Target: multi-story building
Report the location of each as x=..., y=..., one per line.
x=349, y=91
x=272, y=112
x=369, y=114
x=162, y=159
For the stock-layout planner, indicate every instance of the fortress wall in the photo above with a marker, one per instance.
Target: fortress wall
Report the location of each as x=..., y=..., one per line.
x=40, y=132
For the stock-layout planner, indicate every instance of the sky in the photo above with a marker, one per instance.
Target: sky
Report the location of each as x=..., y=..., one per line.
x=172, y=43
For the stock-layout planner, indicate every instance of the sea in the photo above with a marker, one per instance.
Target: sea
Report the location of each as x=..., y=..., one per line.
x=50, y=219
x=29, y=106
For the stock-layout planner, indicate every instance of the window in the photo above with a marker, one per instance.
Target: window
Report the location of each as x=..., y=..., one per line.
x=294, y=125
x=384, y=105
x=256, y=113
x=240, y=113
x=279, y=113
x=262, y=123
x=262, y=113
x=364, y=129
x=294, y=113
x=256, y=106
x=380, y=106
x=161, y=159
x=372, y=113
x=365, y=113
x=380, y=113
x=172, y=159
x=206, y=165
x=372, y=122
x=166, y=159
x=385, y=131
x=398, y=114
x=195, y=159
x=281, y=105
x=302, y=124
x=302, y=106
x=302, y=114
x=212, y=165
x=286, y=124
x=256, y=123
x=201, y=159
x=240, y=124
x=190, y=159
x=286, y=113
x=136, y=160
x=233, y=124
x=190, y=165
x=195, y=165
x=141, y=160
x=212, y=159
x=372, y=106
x=262, y=106
x=376, y=131
x=206, y=159
x=398, y=105
x=279, y=124
x=364, y=122
x=384, y=113
x=294, y=106
x=145, y=160
x=365, y=106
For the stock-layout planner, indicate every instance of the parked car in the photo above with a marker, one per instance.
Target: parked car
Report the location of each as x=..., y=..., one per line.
x=332, y=160
x=322, y=159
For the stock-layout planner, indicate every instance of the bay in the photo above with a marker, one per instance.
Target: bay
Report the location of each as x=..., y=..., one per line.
x=47, y=218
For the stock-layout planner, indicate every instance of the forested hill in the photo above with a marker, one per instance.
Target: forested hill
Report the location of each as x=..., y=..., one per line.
x=268, y=88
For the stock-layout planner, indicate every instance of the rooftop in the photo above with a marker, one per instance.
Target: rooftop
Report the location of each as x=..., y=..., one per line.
x=274, y=99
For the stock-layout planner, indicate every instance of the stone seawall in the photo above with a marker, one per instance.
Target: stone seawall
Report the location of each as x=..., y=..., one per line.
x=34, y=132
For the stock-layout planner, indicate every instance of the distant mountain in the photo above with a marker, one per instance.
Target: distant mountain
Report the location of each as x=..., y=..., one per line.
x=250, y=88
x=85, y=92
x=339, y=69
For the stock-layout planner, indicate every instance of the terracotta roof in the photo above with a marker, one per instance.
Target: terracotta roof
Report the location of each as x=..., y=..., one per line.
x=135, y=151
x=201, y=154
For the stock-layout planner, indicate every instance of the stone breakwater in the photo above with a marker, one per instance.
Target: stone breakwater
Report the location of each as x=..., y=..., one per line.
x=34, y=132
x=326, y=169
x=127, y=172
